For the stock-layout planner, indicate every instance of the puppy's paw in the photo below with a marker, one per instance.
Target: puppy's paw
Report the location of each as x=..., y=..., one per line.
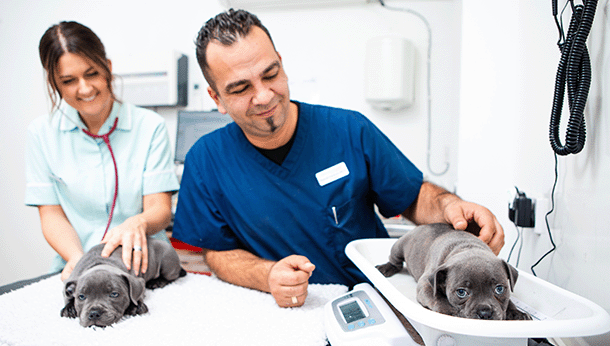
x=388, y=269
x=518, y=315
x=157, y=283
x=69, y=311
x=134, y=309
x=512, y=313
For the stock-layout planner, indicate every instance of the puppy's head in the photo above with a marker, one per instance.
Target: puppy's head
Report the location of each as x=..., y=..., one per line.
x=477, y=285
x=101, y=295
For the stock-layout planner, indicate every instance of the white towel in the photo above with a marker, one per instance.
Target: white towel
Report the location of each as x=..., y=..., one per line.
x=194, y=310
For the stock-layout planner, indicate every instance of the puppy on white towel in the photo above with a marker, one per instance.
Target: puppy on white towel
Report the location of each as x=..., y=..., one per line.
x=196, y=309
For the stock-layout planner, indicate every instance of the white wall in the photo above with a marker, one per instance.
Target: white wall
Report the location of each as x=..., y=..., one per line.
x=493, y=68
x=323, y=51
x=509, y=60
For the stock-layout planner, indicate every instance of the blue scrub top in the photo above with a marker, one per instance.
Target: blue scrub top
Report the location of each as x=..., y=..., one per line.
x=320, y=198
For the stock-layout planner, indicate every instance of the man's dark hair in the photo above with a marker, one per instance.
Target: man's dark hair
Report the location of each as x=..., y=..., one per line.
x=226, y=28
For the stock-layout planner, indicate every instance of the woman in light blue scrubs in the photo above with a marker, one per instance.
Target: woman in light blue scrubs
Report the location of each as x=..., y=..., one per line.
x=91, y=141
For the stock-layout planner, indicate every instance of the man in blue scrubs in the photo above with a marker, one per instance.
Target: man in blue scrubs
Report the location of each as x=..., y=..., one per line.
x=282, y=190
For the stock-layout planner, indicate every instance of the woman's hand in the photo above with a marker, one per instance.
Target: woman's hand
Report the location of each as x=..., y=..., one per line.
x=131, y=235
x=65, y=273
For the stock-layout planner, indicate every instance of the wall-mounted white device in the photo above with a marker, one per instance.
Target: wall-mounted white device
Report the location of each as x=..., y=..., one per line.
x=389, y=73
x=164, y=85
x=271, y=4
x=361, y=318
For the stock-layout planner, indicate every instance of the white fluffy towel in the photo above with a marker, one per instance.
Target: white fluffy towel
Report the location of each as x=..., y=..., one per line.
x=194, y=310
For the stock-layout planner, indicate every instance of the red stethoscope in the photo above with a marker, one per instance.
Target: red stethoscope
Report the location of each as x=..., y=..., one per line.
x=106, y=139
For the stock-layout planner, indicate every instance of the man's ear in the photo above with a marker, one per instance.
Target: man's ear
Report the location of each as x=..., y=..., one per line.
x=437, y=281
x=214, y=95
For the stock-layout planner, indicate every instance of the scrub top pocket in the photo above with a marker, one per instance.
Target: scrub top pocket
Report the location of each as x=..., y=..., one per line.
x=346, y=221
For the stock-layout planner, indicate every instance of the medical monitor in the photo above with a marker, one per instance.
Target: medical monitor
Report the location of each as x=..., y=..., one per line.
x=194, y=124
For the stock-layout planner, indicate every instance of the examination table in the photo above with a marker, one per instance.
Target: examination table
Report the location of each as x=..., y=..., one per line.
x=196, y=310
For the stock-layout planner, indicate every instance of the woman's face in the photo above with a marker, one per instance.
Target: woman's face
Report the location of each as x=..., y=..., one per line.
x=84, y=86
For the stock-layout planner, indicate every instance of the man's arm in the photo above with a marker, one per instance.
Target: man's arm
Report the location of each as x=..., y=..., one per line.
x=286, y=280
x=435, y=204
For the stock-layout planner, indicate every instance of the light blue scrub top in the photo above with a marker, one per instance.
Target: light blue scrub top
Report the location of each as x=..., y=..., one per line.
x=66, y=167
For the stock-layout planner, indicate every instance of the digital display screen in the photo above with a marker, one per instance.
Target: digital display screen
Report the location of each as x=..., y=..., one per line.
x=352, y=312
x=194, y=124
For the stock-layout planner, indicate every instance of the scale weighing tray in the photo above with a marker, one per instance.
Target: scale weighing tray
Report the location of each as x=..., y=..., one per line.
x=555, y=311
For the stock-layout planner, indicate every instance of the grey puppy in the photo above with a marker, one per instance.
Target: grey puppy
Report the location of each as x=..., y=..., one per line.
x=100, y=291
x=457, y=273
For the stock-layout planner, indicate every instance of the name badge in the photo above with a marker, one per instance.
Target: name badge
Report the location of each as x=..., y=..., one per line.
x=331, y=174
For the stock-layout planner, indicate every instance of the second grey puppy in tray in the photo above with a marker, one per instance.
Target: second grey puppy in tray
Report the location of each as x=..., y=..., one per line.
x=457, y=274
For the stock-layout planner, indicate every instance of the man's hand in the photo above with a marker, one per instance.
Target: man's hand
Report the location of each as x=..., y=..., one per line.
x=288, y=280
x=435, y=204
x=459, y=213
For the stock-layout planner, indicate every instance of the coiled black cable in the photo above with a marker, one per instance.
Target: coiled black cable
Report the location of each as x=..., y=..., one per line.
x=575, y=71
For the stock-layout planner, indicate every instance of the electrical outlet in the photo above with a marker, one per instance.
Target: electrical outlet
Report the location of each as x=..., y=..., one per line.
x=543, y=206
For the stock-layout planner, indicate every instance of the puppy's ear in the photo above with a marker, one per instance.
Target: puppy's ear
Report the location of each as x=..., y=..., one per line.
x=69, y=289
x=437, y=280
x=512, y=274
x=69, y=310
x=136, y=288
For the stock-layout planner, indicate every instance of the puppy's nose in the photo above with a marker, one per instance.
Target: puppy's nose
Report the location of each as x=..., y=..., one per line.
x=94, y=314
x=485, y=313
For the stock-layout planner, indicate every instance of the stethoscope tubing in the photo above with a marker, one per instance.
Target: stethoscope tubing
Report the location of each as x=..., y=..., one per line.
x=106, y=138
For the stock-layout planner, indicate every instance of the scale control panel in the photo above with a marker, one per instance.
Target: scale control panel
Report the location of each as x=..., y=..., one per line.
x=361, y=317
x=355, y=311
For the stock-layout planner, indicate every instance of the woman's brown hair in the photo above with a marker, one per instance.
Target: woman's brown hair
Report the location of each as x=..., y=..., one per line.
x=70, y=37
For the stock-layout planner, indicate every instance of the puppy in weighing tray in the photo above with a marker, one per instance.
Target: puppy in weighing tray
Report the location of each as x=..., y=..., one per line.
x=457, y=274
x=100, y=291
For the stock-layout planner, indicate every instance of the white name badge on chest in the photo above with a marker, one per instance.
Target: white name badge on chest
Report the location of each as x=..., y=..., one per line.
x=331, y=174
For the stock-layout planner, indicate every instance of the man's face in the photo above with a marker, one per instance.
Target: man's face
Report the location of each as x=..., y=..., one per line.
x=252, y=87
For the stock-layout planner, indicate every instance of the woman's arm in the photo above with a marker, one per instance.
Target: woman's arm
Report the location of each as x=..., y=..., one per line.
x=156, y=216
x=60, y=234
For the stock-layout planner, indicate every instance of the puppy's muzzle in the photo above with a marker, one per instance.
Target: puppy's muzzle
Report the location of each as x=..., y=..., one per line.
x=485, y=312
x=95, y=314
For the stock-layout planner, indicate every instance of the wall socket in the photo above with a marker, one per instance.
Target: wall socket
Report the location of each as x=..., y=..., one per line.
x=543, y=205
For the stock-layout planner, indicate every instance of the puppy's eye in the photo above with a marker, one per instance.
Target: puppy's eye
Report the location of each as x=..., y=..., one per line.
x=114, y=294
x=461, y=293
x=499, y=289
x=81, y=297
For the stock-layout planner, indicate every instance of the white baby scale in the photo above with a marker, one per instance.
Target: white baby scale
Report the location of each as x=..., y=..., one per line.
x=555, y=311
